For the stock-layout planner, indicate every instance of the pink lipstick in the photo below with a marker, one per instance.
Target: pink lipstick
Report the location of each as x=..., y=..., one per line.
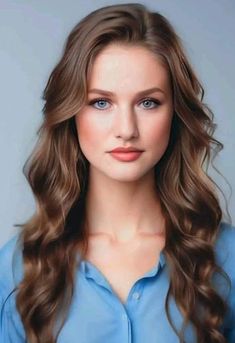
x=126, y=154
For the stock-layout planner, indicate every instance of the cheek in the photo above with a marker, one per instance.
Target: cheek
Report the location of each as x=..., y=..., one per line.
x=89, y=134
x=159, y=133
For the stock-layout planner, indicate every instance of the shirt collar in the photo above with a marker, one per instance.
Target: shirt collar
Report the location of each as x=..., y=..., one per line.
x=85, y=267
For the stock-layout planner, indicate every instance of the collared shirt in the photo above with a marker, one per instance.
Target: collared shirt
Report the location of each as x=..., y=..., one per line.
x=97, y=315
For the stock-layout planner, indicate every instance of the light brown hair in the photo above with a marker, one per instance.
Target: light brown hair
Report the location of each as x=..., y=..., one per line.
x=57, y=172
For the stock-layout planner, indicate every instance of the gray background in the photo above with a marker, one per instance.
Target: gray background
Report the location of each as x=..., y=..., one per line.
x=32, y=35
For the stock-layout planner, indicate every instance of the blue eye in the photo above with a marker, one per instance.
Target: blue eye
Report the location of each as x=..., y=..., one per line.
x=149, y=101
x=100, y=101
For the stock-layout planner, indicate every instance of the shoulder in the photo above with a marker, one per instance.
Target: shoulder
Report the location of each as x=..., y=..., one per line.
x=11, y=271
x=11, y=264
x=225, y=248
x=225, y=258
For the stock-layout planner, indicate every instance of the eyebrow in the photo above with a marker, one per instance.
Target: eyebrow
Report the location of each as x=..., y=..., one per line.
x=144, y=92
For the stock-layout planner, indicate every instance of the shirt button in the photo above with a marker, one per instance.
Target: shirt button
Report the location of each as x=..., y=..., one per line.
x=136, y=295
x=124, y=316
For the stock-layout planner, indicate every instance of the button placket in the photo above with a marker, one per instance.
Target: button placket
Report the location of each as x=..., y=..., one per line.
x=124, y=317
x=136, y=295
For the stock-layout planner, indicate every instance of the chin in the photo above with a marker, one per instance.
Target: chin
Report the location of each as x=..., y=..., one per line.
x=125, y=176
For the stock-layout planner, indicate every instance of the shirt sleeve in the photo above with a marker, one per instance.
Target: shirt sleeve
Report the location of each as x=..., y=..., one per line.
x=11, y=328
x=229, y=330
x=230, y=335
x=226, y=253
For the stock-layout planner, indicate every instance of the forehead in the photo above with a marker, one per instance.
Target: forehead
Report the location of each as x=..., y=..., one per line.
x=119, y=64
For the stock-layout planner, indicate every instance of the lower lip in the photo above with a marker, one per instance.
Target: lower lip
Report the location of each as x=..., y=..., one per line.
x=126, y=156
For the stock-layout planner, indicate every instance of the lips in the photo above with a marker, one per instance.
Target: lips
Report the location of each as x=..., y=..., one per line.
x=126, y=150
x=127, y=156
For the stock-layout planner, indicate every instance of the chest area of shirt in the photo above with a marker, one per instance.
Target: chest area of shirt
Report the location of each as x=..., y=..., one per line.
x=123, y=267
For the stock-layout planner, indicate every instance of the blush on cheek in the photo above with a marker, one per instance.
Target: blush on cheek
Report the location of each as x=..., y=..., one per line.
x=159, y=136
x=84, y=128
x=160, y=132
x=88, y=135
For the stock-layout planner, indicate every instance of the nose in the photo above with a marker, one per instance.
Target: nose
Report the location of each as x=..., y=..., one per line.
x=125, y=123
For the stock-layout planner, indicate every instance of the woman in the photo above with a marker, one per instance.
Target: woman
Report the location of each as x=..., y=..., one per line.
x=127, y=242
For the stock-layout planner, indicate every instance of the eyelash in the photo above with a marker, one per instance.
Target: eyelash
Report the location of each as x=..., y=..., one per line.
x=157, y=102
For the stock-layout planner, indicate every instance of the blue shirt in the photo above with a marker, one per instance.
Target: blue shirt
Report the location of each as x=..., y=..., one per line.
x=96, y=313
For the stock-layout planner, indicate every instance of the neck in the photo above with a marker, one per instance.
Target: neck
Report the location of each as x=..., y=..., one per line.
x=123, y=210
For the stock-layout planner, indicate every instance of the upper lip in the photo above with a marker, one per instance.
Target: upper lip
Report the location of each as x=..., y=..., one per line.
x=121, y=149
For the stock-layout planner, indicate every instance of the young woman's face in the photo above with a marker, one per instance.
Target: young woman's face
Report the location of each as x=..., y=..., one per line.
x=126, y=117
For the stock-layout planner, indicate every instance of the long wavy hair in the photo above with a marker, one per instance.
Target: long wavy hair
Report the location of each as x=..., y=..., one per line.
x=57, y=172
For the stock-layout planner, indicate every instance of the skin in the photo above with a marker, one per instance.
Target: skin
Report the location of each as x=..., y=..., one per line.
x=122, y=206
